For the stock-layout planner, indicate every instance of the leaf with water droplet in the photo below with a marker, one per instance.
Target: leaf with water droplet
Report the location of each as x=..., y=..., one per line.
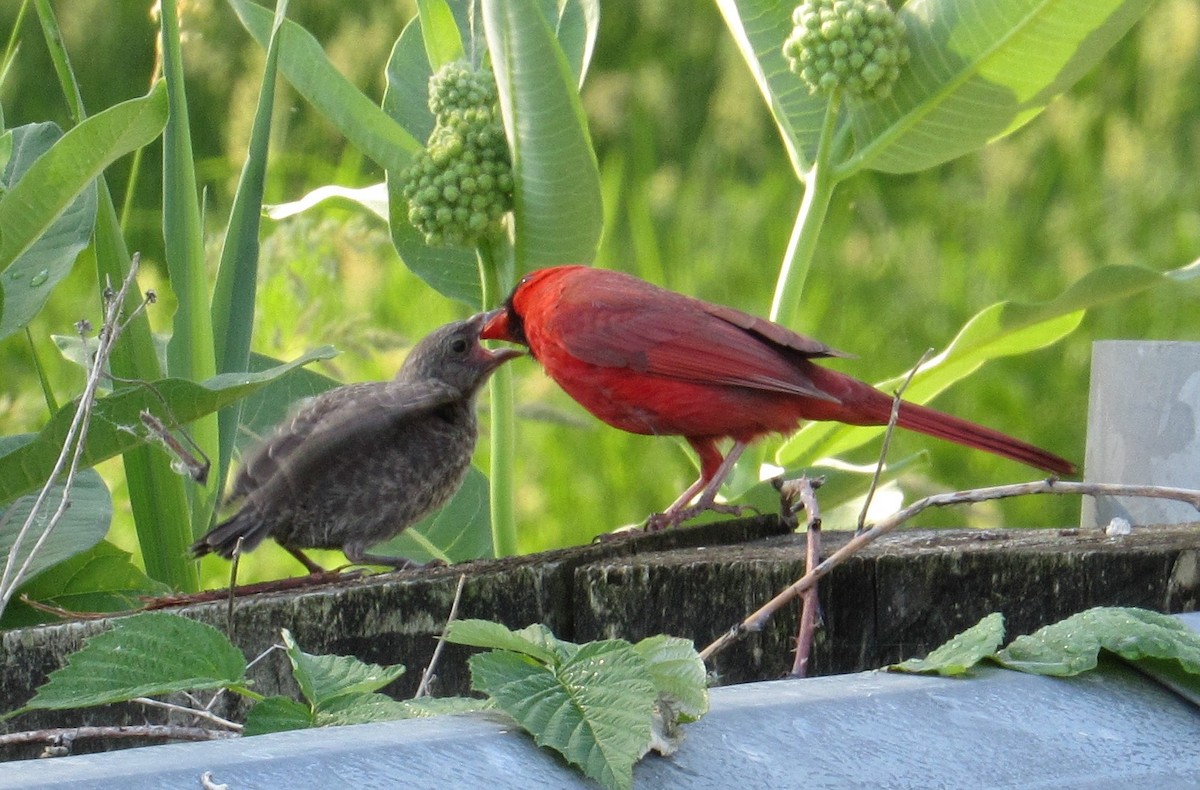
x=964, y=651
x=1073, y=645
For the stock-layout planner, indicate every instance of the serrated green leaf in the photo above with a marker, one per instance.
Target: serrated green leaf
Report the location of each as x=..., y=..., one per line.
x=27, y=282
x=1002, y=329
x=594, y=708
x=460, y=530
x=962, y=652
x=428, y=707
x=678, y=672
x=49, y=186
x=82, y=526
x=116, y=426
x=278, y=714
x=308, y=69
x=1071, y=646
x=324, y=680
x=366, y=708
x=980, y=69
x=557, y=207
x=101, y=579
x=143, y=655
x=535, y=641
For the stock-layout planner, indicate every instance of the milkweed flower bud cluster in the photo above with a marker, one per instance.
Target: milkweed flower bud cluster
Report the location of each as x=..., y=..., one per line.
x=462, y=183
x=855, y=45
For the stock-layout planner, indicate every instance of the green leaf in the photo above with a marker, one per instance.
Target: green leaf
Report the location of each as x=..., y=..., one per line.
x=451, y=271
x=278, y=714
x=146, y=654
x=1073, y=645
x=556, y=201
x=101, y=579
x=535, y=641
x=578, y=25
x=82, y=526
x=30, y=207
x=26, y=284
x=233, y=301
x=306, y=67
x=116, y=426
x=366, y=708
x=461, y=530
x=678, y=672
x=443, y=43
x=325, y=679
x=759, y=27
x=979, y=70
x=267, y=407
x=1003, y=329
x=962, y=652
x=594, y=708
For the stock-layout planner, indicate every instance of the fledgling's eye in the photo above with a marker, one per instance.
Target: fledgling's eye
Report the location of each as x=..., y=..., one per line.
x=458, y=345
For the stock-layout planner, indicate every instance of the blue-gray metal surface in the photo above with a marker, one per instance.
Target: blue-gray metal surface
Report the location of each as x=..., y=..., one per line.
x=1004, y=729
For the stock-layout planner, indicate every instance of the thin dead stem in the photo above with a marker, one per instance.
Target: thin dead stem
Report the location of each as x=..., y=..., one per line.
x=427, y=675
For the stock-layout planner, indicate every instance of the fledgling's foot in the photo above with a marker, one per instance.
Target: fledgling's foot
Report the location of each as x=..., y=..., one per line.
x=661, y=521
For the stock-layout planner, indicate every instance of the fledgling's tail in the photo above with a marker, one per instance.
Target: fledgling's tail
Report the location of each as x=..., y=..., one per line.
x=222, y=539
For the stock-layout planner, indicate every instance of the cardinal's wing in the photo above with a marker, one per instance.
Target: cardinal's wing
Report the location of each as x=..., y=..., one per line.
x=628, y=323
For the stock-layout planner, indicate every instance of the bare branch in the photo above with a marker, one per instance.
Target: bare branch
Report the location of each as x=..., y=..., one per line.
x=427, y=675
x=64, y=736
x=74, y=444
x=204, y=715
x=758, y=619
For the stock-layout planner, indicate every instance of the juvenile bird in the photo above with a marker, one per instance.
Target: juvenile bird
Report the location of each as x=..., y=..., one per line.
x=361, y=462
x=651, y=361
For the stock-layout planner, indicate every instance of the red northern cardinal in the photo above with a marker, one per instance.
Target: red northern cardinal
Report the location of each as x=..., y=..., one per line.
x=651, y=361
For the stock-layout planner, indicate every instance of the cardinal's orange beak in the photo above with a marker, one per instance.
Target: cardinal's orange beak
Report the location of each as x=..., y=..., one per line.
x=495, y=325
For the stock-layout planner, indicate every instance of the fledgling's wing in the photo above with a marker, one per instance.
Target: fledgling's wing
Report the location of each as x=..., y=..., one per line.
x=335, y=423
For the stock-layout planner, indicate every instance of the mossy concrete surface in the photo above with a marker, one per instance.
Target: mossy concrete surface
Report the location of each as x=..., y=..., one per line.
x=900, y=597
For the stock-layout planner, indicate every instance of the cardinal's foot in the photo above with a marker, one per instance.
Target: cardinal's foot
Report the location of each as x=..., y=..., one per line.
x=660, y=521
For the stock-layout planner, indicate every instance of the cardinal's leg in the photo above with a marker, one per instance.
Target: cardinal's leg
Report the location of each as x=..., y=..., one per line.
x=713, y=471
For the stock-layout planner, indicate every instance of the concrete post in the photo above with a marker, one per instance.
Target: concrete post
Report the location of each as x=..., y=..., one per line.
x=1143, y=428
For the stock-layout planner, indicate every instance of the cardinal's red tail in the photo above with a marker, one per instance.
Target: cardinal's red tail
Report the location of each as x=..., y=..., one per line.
x=944, y=426
x=860, y=404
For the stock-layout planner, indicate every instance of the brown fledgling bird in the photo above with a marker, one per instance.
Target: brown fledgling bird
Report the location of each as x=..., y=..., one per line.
x=360, y=463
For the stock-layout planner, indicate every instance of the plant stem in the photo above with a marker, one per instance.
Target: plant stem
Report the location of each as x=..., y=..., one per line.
x=501, y=477
x=818, y=191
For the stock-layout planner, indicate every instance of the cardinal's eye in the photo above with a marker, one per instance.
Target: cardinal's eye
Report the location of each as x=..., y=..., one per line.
x=458, y=345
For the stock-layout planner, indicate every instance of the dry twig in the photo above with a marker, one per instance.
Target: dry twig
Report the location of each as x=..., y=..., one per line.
x=427, y=675
x=755, y=621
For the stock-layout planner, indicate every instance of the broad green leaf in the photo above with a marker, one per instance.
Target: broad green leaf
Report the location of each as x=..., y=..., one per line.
x=82, y=526
x=460, y=530
x=278, y=714
x=980, y=69
x=1073, y=645
x=578, y=24
x=759, y=27
x=146, y=654
x=534, y=641
x=556, y=200
x=594, y=708
x=30, y=207
x=451, y=271
x=961, y=653
x=443, y=43
x=1003, y=329
x=325, y=679
x=306, y=67
x=365, y=708
x=678, y=672
x=101, y=579
x=26, y=284
x=116, y=426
